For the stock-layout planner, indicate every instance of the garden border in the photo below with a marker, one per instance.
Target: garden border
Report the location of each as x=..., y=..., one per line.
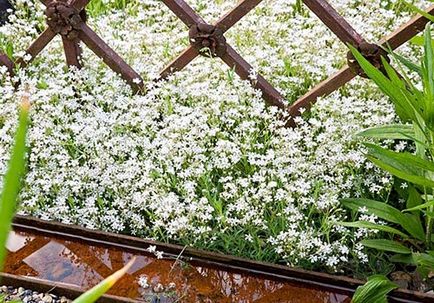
x=339, y=284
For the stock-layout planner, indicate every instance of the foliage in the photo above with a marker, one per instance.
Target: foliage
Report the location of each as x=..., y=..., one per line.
x=12, y=179
x=412, y=237
x=97, y=291
x=375, y=290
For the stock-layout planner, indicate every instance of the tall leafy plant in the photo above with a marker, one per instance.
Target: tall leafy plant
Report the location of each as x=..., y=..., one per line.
x=410, y=230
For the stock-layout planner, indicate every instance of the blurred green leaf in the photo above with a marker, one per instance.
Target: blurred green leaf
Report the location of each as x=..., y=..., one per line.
x=386, y=245
x=395, y=132
x=420, y=11
x=422, y=206
x=402, y=165
x=12, y=179
x=96, y=292
x=374, y=291
x=370, y=225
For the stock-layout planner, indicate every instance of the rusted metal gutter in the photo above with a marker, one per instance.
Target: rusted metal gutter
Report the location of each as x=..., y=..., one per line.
x=332, y=283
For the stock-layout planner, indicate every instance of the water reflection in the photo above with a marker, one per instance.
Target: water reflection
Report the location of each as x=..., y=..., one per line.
x=85, y=265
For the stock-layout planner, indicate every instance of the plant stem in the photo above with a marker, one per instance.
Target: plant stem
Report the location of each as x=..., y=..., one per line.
x=429, y=225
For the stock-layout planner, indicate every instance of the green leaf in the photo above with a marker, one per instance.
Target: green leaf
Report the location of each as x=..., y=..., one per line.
x=428, y=60
x=419, y=207
x=420, y=11
x=402, y=165
x=407, y=63
x=370, y=225
x=403, y=106
x=412, y=224
x=97, y=291
x=379, y=209
x=414, y=198
x=405, y=259
x=419, y=41
x=386, y=212
x=395, y=132
x=386, y=245
x=12, y=179
x=424, y=262
x=375, y=290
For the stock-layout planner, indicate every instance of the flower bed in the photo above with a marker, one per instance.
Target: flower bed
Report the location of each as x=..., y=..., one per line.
x=200, y=160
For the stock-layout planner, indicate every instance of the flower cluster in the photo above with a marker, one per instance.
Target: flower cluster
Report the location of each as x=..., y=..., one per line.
x=200, y=159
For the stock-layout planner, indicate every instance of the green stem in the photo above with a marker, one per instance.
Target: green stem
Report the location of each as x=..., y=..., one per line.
x=429, y=224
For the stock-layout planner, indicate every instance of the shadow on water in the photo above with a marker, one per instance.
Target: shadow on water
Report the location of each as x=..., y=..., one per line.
x=84, y=265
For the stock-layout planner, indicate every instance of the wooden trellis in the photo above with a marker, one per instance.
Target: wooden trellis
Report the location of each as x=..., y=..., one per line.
x=68, y=19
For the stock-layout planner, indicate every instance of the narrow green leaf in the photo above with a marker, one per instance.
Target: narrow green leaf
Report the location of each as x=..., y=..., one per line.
x=379, y=209
x=405, y=259
x=414, y=198
x=428, y=60
x=12, y=179
x=405, y=161
x=375, y=290
x=386, y=245
x=404, y=109
x=395, y=132
x=412, y=224
x=420, y=11
x=97, y=291
x=402, y=165
x=419, y=41
x=419, y=207
x=407, y=63
x=400, y=174
x=386, y=212
x=370, y=225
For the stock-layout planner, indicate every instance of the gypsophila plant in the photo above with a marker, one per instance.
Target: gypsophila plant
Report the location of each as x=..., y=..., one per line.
x=200, y=160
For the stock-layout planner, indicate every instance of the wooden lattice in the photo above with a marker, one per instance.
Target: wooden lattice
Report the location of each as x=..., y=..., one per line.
x=68, y=19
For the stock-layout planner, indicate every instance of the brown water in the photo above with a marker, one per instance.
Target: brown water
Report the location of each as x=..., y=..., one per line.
x=85, y=265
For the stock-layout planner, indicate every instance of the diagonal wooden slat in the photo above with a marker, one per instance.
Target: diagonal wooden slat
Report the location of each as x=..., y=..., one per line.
x=179, y=62
x=5, y=61
x=235, y=15
x=406, y=31
x=224, y=23
x=37, y=46
x=334, y=21
x=79, y=4
x=184, y=12
x=334, y=82
x=110, y=57
x=72, y=52
x=244, y=69
x=324, y=88
x=46, y=2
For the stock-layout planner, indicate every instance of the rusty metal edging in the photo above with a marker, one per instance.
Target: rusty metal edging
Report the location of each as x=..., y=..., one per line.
x=340, y=284
x=59, y=289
